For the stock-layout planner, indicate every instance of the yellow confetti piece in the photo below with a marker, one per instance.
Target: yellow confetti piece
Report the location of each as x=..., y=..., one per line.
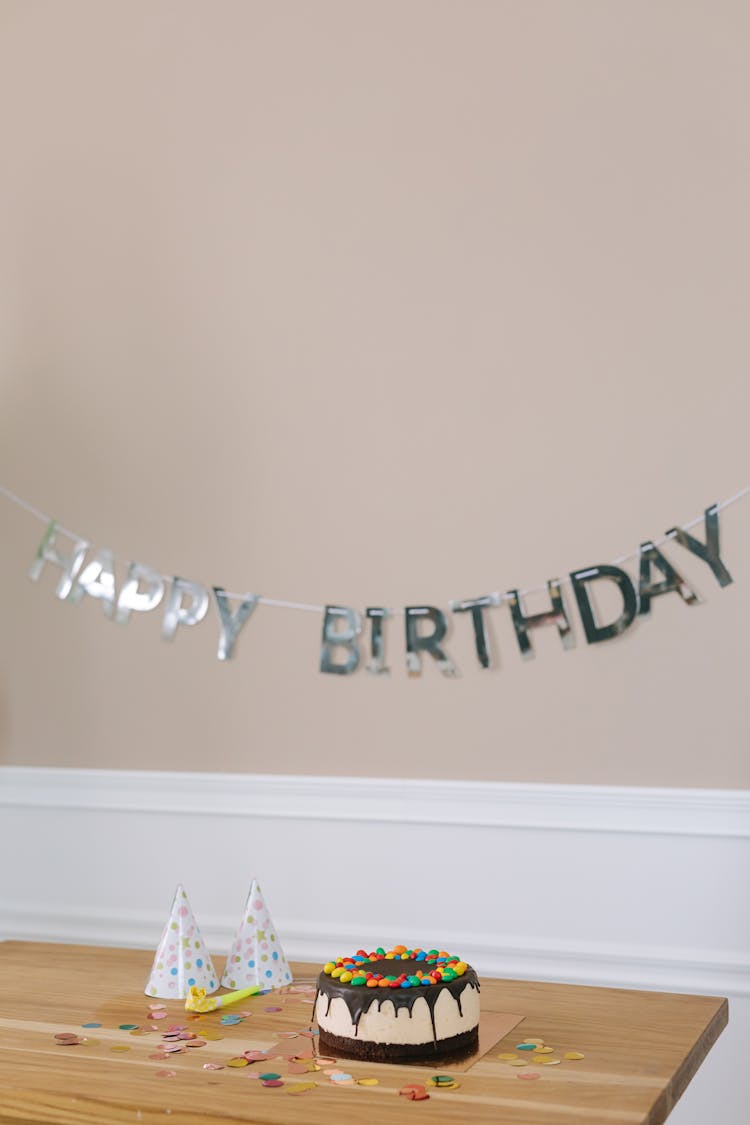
x=119, y=1047
x=239, y=1061
x=543, y=1051
x=367, y=1081
x=507, y=1056
x=548, y=1062
x=573, y=1055
x=518, y=1062
x=301, y=1087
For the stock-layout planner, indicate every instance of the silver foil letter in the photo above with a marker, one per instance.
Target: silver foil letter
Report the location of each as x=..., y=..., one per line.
x=477, y=606
x=522, y=622
x=177, y=612
x=580, y=580
x=708, y=551
x=417, y=643
x=672, y=582
x=132, y=598
x=376, y=615
x=96, y=580
x=341, y=627
x=47, y=552
x=231, y=623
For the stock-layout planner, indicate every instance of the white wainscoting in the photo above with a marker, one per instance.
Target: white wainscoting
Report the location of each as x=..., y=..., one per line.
x=636, y=888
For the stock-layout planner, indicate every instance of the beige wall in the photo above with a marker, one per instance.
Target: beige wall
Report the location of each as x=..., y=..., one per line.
x=375, y=303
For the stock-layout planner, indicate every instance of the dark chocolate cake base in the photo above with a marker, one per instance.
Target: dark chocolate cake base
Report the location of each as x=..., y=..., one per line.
x=456, y=1047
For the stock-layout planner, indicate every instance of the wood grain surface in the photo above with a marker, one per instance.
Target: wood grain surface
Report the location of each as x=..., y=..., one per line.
x=641, y=1050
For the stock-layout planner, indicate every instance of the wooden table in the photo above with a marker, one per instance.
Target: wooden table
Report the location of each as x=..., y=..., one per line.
x=641, y=1050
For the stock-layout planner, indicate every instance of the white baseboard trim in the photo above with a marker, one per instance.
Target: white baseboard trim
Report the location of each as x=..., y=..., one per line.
x=580, y=808
x=509, y=956
x=634, y=888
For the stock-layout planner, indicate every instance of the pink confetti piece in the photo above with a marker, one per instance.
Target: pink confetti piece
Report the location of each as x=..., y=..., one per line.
x=213, y=1066
x=166, y=1074
x=528, y=1075
x=273, y=1009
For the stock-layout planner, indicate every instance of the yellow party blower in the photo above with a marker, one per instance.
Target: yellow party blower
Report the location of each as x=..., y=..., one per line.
x=198, y=1001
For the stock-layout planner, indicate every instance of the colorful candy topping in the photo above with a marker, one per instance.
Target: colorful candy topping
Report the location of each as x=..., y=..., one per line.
x=438, y=966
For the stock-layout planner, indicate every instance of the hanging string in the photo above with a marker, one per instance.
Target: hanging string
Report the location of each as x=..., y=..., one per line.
x=279, y=603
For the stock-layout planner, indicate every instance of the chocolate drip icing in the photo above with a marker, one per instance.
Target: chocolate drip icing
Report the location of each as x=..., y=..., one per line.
x=360, y=998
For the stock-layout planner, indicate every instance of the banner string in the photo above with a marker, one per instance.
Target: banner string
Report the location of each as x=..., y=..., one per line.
x=279, y=603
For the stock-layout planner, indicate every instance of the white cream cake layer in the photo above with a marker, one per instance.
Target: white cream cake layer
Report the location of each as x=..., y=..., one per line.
x=380, y=1023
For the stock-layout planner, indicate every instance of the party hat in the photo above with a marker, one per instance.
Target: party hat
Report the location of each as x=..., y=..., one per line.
x=182, y=960
x=256, y=956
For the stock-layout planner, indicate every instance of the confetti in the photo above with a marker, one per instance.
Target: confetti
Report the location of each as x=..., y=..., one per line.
x=548, y=1062
x=529, y=1074
x=301, y=1087
x=255, y=1056
x=574, y=1056
x=157, y=1008
x=507, y=1056
x=367, y=1081
x=120, y=1047
x=166, y=1074
x=344, y=1079
x=273, y=1009
x=414, y=1092
x=273, y=1082
x=324, y=1061
x=211, y=1036
x=160, y=1057
x=524, y=1046
x=543, y=1051
x=239, y=1060
x=128, y=1026
x=518, y=1062
x=213, y=1066
x=269, y=1076
x=158, y=1015
x=63, y=1036
x=91, y=1025
x=196, y=1043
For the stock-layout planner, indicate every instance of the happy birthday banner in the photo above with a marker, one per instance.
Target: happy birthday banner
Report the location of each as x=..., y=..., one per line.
x=89, y=572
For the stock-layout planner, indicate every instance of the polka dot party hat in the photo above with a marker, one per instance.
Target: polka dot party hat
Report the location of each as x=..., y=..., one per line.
x=256, y=956
x=182, y=959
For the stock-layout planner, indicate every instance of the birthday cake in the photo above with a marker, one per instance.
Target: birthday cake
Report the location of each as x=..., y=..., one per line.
x=397, y=1005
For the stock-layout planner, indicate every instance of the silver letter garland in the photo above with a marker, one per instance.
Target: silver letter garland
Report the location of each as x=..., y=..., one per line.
x=186, y=602
x=418, y=642
x=341, y=627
